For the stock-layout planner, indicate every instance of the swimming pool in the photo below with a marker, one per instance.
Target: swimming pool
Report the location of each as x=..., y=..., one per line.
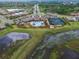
x=37, y=23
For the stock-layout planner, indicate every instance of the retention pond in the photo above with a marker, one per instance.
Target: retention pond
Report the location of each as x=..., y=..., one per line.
x=44, y=48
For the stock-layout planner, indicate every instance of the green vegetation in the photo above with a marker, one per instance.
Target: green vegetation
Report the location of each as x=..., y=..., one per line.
x=54, y=8
x=73, y=44
x=59, y=8
x=0, y=21
x=13, y=48
x=37, y=35
x=28, y=47
x=54, y=54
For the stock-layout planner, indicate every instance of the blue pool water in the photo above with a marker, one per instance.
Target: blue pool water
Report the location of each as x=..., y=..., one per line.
x=37, y=23
x=56, y=21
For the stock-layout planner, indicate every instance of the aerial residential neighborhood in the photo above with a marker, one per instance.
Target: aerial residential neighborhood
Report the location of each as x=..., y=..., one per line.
x=36, y=19
x=39, y=29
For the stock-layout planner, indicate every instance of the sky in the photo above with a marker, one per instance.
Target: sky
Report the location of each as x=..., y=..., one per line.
x=26, y=0
x=37, y=0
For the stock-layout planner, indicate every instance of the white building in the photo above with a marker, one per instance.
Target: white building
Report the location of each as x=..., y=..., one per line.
x=15, y=10
x=3, y=11
x=2, y=26
x=5, y=21
x=72, y=18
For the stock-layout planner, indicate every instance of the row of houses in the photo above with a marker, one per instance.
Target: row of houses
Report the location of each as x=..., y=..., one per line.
x=43, y=21
x=13, y=12
x=72, y=18
x=40, y=22
x=48, y=20
x=4, y=21
x=5, y=15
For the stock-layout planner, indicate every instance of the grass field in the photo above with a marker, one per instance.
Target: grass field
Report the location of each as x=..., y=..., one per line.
x=37, y=36
x=0, y=21
x=73, y=44
x=54, y=54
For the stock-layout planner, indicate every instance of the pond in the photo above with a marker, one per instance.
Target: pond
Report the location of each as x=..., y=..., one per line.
x=12, y=37
x=69, y=54
x=18, y=36
x=60, y=38
x=50, y=41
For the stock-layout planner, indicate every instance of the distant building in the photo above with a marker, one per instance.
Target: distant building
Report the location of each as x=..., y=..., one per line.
x=12, y=12
x=51, y=15
x=15, y=10
x=2, y=26
x=3, y=11
x=75, y=14
x=73, y=18
x=5, y=21
x=10, y=22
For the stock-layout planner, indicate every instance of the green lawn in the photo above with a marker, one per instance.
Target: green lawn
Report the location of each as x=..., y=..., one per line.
x=37, y=36
x=73, y=44
x=27, y=48
x=54, y=54
x=0, y=21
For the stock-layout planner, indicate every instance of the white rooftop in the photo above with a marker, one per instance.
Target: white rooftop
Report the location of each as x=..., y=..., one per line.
x=13, y=10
